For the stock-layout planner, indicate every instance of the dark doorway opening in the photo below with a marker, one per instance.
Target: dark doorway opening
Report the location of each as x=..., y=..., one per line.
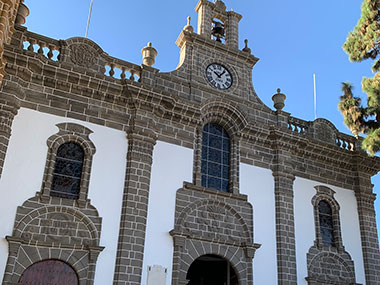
x=211, y=270
x=49, y=272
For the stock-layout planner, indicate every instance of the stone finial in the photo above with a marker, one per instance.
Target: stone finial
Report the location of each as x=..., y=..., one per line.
x=22, y=13
x=279, y=100
x=188, y=27
x=246, y=48
x=149, y=55
x=220, y=5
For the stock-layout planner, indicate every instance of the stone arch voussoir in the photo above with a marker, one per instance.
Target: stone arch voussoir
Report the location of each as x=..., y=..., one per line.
x=224, y=113
x=25, y=221
x=210, y=202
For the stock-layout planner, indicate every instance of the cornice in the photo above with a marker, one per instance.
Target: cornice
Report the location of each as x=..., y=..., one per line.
x=193, y=38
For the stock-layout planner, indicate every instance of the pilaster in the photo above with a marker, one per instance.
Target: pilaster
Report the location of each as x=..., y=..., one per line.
x=368, y=230
x=8, y=13
x=9, y=106
x=134, y=211
x=284, y=203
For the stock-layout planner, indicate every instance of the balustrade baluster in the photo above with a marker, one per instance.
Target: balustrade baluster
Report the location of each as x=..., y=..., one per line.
x=112, y=72
x=41, y=48
x=122, y=75
x=132, y=77
x=31, y=43
x=59, y=54
x=50, y=53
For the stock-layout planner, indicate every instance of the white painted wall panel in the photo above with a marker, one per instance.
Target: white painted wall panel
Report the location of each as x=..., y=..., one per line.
x=258, y=184
x=304, y=223
x=305, y=228
x=23, y=172
x=349, y=222
x=172, y=165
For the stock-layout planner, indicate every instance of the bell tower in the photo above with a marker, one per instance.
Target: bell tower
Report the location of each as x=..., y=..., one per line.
x=215, y=22
x=210, y=59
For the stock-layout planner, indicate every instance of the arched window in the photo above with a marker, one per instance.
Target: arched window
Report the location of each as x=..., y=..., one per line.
x=67, y=171
x=326, y=225
x=215, y=157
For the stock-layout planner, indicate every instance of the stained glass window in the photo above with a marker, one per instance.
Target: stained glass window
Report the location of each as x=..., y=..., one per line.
x=326, y=223
x=215, y=157
x=67, y=171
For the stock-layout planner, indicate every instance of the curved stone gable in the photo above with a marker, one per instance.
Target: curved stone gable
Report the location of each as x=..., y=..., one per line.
x=325, y=131
x=84, y=53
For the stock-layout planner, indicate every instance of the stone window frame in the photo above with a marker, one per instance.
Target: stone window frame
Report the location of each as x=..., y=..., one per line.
x=206, y=176
x=68, y=132
x=326, y=194
x=233, y=186
x=224, y=113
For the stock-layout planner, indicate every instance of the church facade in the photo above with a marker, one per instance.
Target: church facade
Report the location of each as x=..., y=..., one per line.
x=116, y=173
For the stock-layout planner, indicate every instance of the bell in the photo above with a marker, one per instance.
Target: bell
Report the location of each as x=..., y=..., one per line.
x=218, y=31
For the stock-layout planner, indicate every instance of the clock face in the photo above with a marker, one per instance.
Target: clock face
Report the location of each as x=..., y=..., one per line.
x=219, y=76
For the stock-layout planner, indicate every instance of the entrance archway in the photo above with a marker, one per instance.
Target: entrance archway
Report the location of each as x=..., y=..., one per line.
x=211, y=270
x=49, y=272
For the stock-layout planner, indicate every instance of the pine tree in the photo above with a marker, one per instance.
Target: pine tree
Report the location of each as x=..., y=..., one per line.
x=361, y=44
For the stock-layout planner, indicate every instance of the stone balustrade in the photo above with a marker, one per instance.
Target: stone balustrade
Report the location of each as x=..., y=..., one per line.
x=42, y=45
x=346, y=142
x=298, y=125
x=53, y=49
x=325, y=132
x=121, y=69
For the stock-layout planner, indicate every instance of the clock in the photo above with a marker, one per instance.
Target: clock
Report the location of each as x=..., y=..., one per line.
x=219, y=76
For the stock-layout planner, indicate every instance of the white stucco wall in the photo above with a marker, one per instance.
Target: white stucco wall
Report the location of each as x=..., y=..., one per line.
x=305, y=229
x=23, y=172
x=172, y=165
x=258, y=184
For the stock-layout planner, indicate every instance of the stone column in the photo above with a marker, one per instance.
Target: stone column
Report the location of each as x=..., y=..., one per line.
x=368, y=230
x=134, y=211
x=204, y=11
x=9, y=106
x=284, y=203
x=232, y=29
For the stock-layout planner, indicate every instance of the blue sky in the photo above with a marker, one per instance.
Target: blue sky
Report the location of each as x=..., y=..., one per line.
x=293, y=40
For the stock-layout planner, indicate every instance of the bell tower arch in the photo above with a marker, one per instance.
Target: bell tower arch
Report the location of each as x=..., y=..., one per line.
x=208, y=12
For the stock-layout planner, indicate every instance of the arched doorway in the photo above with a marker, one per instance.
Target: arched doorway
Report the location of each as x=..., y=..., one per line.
x=211, y=270
x=49, y=272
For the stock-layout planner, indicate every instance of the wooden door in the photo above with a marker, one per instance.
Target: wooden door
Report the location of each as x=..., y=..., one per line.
x=49, y=272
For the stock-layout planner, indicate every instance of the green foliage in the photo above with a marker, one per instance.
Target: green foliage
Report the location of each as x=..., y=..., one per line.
x=361, y=44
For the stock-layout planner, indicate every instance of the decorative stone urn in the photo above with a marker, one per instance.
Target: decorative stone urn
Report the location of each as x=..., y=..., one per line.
x=279, y=100
x=22, y=13
x=149, y=54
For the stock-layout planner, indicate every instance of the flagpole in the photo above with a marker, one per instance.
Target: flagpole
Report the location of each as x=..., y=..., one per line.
x=89, y=17
x=315, y=97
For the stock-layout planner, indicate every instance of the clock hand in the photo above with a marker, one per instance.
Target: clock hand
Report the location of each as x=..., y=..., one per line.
x=220, y=75
x=217, y=74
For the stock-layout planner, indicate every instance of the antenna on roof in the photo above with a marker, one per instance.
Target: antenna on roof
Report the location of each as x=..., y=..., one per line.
x=315, y=97
x=89, y=17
